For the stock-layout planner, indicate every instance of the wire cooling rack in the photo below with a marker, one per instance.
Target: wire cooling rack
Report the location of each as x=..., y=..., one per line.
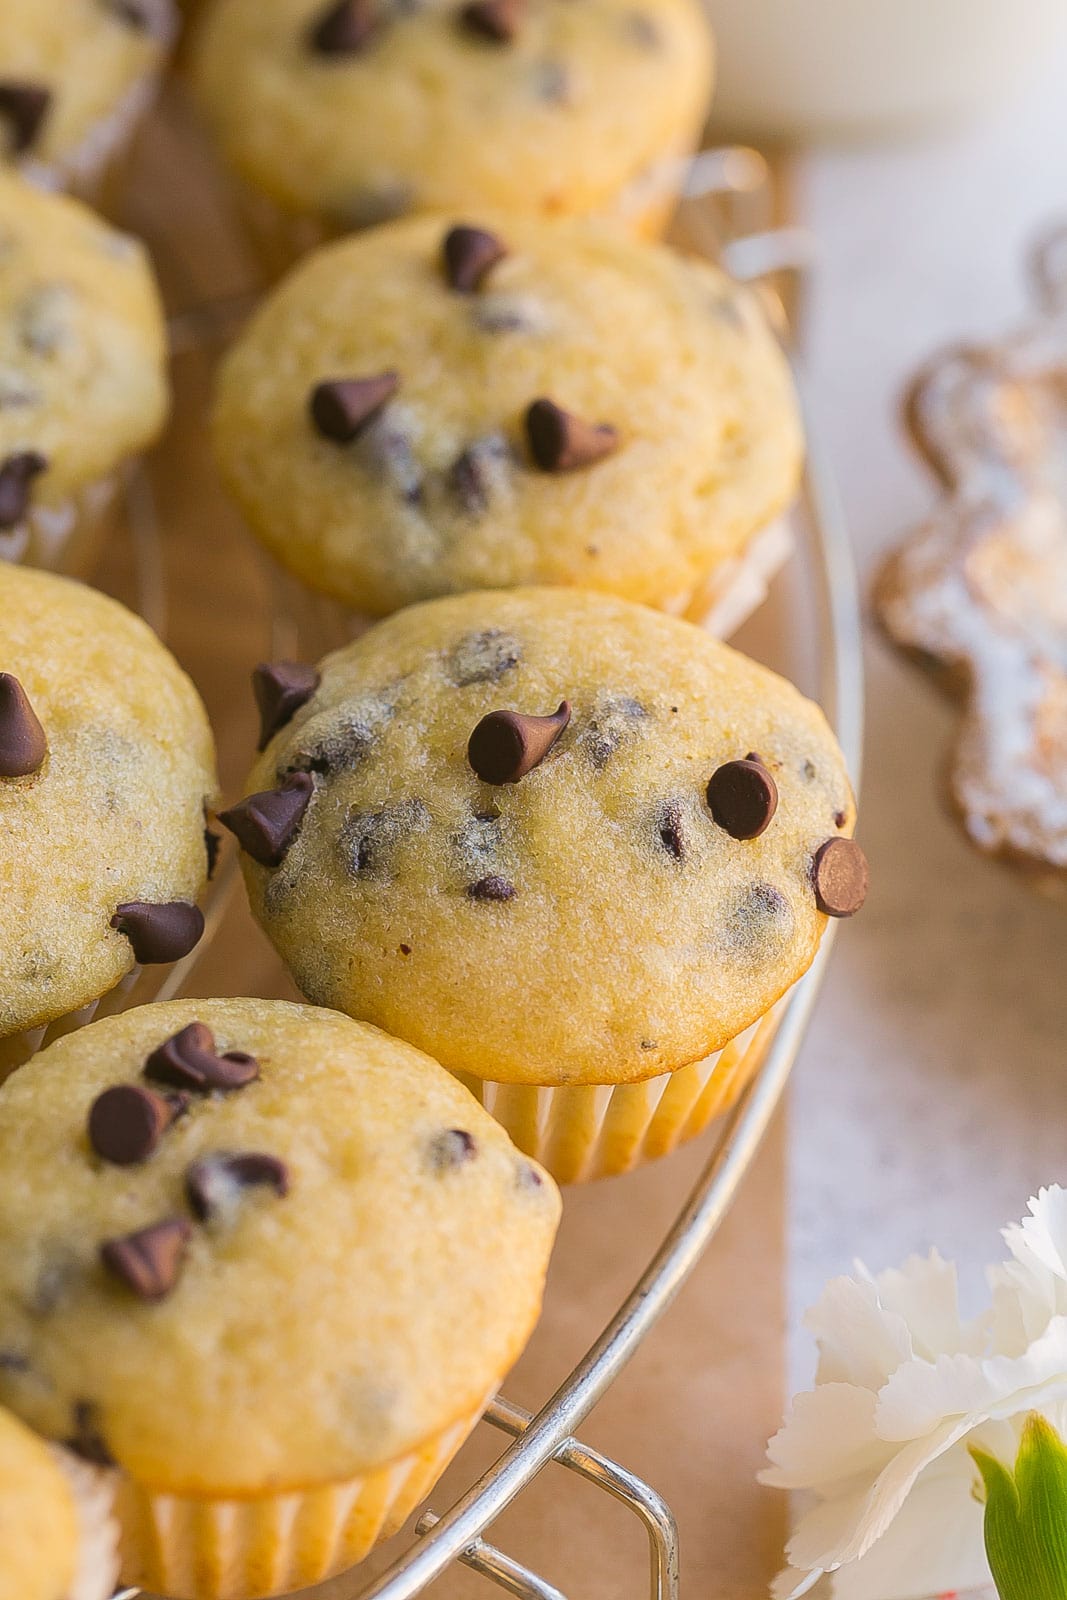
x=726, y=215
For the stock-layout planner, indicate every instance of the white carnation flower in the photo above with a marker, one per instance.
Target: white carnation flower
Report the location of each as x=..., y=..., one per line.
x=903, y=1388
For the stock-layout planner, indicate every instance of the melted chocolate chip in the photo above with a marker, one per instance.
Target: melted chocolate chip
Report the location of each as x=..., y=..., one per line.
x=344, y=29
x=16, y=475
x=280, y=689
x=86, y=1439
x=491, y=888
x=669, y=829
x=483, y=657
x=469, y=256
x=452, y=1148
x=840, y=877
x=127, y=1121
x=342, y=407
x=840, y=818
x=562, y=442
x=212, y=846
x=159, y=933
x=757, y=924
x=266, y=824
x=368, y=838
x=498, y=21
x=213, y=1183
x=614, y=719
x=189, y=1060
x=149, y=1261
x=478, y=474
x=506, y=745
x=743, y=797
x=23, y=106
x=23, y=746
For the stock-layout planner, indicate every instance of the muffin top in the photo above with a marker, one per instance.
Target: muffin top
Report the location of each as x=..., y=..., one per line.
x=438, y=406
x=38, y=1518
x=336, y=1252
x=106, y=762
x=82, y=349
x=367, y=108
x=535, y=832
x=66, y=67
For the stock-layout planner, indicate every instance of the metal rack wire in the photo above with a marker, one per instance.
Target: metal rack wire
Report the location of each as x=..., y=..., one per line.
x=549, y=1436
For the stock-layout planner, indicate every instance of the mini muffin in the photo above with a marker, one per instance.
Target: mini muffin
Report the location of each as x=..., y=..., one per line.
x=573, y=847
x=340, y=115
x=279, y=1265
x=57, y=1541
x=83, y=385
x=106, y=764
x=76, y=76
x=434, y=407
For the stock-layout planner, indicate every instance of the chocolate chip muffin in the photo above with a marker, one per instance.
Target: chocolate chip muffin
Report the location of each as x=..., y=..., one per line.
x=279, y=1265
x=75, y=78
x=57, y=1541
x=83, y=385
x=106, y=764
x=340, y=115
x=575, y=848
x=433, y=407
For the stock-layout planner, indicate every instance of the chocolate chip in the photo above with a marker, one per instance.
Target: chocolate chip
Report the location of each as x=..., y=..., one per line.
x=669, y=829
x=16, y=475
x=150, y=1260
x=266, y=824
x=159, y=933
x=743, y=797
x=342, y=407
x=86, y=1440
x=127, y=1121
x=23, y=745
x=561, y=442
x=189, y=1060
x=23, y=106
x=368, y=838
x=615, y=718
x=498, y=21
x=492, y=888
x=483, y=657
x=757, y=924
x=213, y=1182
x=343, y=29
x=469, y=255
x=479, y=473
x=528, y=1177
x=840, y=875
x=281, y=688
x=506, y=745
x=840, y=818
x=212, y=846
x=453, y=1148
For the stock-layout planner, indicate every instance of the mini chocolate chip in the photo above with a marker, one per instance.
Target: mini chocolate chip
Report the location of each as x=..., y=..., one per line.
x=478, y=473
x=528, y=1177
x=343, y=29
x=16, y=475
x=840, y=818
x=562, y=442
x=266, y=824
x=368, y=839
x=86, y=1440
x=453, y=1148
x=342, y=407
x=649, y=1044
x=483, y=657
x=23, y=745
x=469, y=255
x=615, y=719
x=212, y=846
x=127, y=1121
x=281, y=688
x=492, y=888
x=159, y=933
x=149, y=1260
x=743, y=797
x=506, y=745
x=210, y=1183
x=498, y=21
x=23, y=106
x=189, y=1060
x=669, y=829
x=405, y=949
x=840, y=875
x=807, y=771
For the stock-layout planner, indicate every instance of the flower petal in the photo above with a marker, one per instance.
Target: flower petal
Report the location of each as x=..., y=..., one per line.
x=859, y=1342
x=925, y=1293
x=828, y=1438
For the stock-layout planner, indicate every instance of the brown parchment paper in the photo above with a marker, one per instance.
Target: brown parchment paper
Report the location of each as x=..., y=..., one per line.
x=692, y=1412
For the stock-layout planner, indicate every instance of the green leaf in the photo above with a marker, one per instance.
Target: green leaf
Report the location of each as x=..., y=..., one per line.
x=1026, y=1515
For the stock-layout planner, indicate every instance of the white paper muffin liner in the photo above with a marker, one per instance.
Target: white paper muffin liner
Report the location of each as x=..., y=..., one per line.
x=581, y=1132
x=95, y=169
x=66, y=538
x=242, y=1549
x=98, y=1556
x=17, y=1048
